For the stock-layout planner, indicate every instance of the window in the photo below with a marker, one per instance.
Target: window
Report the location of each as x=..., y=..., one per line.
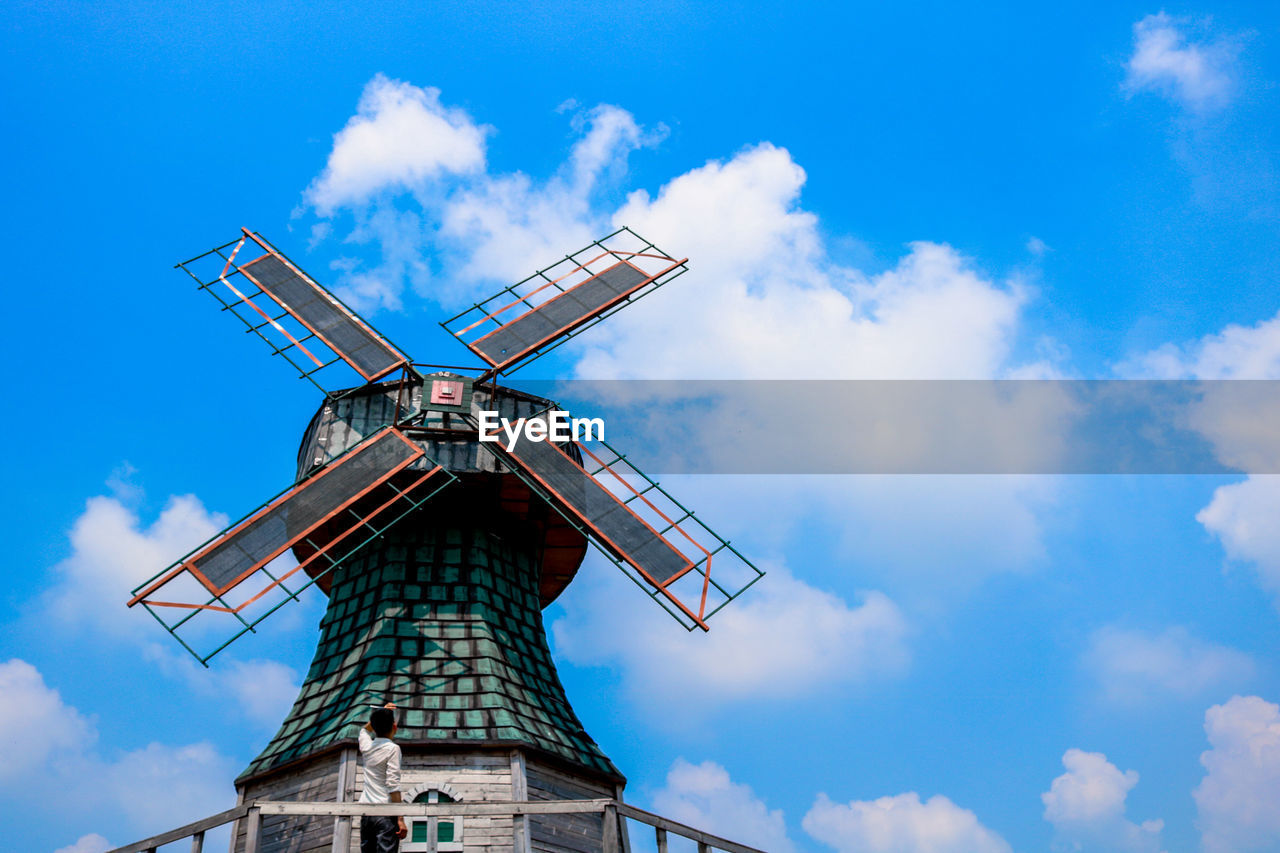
x=447, y=830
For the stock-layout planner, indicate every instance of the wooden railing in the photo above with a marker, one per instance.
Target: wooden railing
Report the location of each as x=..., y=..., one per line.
x=612, y=810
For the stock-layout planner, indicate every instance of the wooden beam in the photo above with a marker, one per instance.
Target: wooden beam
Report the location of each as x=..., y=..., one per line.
x=183, y=831
x=609, y=840
x=496, y=809
x=251, y=813
x=520, y=824
x=252, y=825
x=686, y=831
x=346, y=780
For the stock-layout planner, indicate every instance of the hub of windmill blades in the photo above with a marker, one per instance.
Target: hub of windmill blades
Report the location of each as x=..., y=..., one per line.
x=392, y=434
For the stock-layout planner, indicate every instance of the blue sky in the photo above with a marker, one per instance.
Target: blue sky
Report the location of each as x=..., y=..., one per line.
x=886, y=191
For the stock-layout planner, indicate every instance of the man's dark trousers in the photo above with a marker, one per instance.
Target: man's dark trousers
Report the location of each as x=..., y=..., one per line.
x=379, y=834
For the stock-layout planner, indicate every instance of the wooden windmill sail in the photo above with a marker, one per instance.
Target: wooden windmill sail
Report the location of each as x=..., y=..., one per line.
x=437, y=550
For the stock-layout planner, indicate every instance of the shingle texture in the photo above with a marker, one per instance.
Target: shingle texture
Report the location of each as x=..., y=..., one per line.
x=441, y=617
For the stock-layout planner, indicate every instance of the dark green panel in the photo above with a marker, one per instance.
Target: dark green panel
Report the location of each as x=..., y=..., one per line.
x=442, y=618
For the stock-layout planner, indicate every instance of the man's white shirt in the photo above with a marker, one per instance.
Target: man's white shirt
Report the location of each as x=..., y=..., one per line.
x=381, y=768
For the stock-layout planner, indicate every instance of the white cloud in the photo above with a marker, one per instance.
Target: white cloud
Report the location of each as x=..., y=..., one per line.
x=265, y=689
x=978, y=527
x=504, y=226
x=160, y=787
x=36, y=727
x=763, y=301
x=112, y=552
x=1236, y=352
x=1243, y=517
x=763, y=298
x=1238, y=421
x=401, y=137
x=91, y=843
x=1237, y=798
x=1196, y=74
x=704, y=796
x=1133, y=666
x=783, y=638
x=50, y=746
x=900, y=824
x=1086, y=806
x=402, y=243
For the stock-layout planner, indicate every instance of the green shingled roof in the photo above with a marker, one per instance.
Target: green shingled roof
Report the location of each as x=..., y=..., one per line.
x=442, y=618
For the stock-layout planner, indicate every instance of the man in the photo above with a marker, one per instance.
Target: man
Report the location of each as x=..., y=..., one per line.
x=380, y=833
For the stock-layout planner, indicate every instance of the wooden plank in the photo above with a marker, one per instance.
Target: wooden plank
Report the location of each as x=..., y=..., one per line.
x=251, y=824
x=686, y=831
x=547, y=784
x=522, y=841
x=183, y=831
x=197, y=842
x=609, y=843
x=622, y=824
x=660, y=835
x=497, y=809
x=251, y=815
x=568, y=832
x=235, y=824
x=342, y=825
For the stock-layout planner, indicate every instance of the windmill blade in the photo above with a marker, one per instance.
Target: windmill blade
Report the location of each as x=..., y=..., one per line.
x=641, y=528
x=299, y=319
x=530, y=318
x=326, y=518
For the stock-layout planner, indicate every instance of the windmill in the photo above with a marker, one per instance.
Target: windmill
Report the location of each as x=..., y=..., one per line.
x=438, y=549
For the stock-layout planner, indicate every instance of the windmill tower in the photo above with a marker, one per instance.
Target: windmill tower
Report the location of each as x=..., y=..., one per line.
x=438, y=548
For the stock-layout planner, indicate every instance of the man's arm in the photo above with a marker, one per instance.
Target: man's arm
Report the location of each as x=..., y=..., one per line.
x=393, y=786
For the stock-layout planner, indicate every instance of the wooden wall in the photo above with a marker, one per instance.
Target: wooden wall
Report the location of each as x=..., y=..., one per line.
x=316, y=782
x=581, y=833
x=470, y=777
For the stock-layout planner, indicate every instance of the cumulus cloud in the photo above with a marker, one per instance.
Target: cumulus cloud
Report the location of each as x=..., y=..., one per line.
x=1243, y=518
x=265, y=689
x=763, y=298
x=28, y=705
x=900, y=824
x=503, y=227
x=1236, y=800
x=400, y=138
x=1236, y=352
x=782, y=639
x=1238, y=421
x=1086, y=806
x=763, y=301
x=159, y=787
x=1196, y=74
x=112, y=552
x=490, y=226
x=1132, y=666
x=703, y=795
x=91, y=843
x=155, y=787
x=1235, y=417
